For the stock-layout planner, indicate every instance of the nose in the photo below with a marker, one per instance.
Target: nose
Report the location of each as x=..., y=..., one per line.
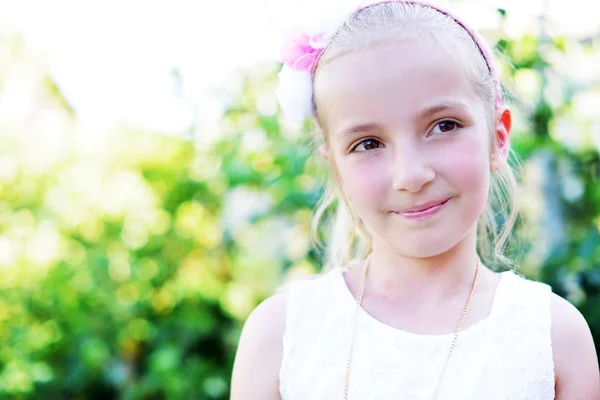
x=411, y=170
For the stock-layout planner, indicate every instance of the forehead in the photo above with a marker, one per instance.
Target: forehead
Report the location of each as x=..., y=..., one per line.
x=390, y=82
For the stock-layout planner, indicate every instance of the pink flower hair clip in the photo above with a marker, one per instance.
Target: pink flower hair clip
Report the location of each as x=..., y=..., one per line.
x=299, y=55
x=298, y=52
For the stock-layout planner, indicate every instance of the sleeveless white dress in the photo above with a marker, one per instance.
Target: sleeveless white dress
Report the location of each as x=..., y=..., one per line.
x=506, y=356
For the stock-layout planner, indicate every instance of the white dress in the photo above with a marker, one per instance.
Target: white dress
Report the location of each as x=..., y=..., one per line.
x=506, y=356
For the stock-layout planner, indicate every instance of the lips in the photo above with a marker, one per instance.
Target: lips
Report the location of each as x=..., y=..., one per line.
x=424, y=206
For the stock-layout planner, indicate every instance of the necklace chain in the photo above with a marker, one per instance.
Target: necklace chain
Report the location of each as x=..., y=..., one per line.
x=452, y=345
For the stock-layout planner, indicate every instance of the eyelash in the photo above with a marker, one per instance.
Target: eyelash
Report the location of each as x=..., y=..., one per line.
x=458, y=126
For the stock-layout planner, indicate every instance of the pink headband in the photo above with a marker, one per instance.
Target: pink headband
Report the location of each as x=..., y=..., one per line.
x=301, y=53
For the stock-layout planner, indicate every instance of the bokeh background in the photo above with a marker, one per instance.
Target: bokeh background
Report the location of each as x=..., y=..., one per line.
x=151, y=194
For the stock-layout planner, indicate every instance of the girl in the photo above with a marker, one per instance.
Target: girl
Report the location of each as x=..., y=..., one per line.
x=413, y=125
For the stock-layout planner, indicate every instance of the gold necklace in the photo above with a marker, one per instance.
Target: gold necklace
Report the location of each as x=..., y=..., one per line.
x=452, y=345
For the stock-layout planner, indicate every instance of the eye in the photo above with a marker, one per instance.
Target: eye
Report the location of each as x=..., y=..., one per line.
x=446, y=126
x=366, y=145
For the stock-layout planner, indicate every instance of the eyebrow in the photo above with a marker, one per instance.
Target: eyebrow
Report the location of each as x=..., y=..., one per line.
x=430, y=111
x=359, y=128
x=422, y=114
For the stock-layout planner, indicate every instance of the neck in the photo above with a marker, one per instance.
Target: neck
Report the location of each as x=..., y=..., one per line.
x=394, y=277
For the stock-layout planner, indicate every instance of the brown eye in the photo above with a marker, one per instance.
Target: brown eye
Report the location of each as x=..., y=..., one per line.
x=368, y=144
x=446, y=126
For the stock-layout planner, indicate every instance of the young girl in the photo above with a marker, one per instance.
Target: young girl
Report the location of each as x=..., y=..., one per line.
x=413, y=125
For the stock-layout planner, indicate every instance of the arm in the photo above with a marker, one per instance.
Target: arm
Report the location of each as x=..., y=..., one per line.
x=575, y=360
x=255, y=373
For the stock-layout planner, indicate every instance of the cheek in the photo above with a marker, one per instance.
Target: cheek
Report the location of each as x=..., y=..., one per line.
x=364, y=182
x=468, y=163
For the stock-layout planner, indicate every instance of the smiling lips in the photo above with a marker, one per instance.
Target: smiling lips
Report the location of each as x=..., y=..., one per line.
x=423, y=210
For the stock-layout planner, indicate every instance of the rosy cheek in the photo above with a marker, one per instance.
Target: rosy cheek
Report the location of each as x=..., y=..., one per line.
x=466, y=161
x=364, y=181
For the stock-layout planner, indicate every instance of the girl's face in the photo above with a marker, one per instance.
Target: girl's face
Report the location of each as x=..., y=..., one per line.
x=407, y=132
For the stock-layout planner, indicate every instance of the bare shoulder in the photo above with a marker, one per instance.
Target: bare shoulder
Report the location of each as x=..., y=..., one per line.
x=260, y=350
x=575, y=360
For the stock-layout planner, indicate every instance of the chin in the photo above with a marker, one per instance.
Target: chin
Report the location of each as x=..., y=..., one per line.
x=426, y=251
x=428, y=245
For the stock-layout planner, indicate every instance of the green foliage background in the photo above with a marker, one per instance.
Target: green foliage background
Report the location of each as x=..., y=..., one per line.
x=129, y=260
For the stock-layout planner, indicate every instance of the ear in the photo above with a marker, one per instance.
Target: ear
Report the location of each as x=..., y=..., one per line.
x=324, y=150
x=503, y=125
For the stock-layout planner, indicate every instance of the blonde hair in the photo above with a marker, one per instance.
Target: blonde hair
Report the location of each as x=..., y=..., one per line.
x=392, y=21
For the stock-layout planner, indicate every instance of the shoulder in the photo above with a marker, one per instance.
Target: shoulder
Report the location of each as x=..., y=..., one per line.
x=575, y=360
x=260, y=351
